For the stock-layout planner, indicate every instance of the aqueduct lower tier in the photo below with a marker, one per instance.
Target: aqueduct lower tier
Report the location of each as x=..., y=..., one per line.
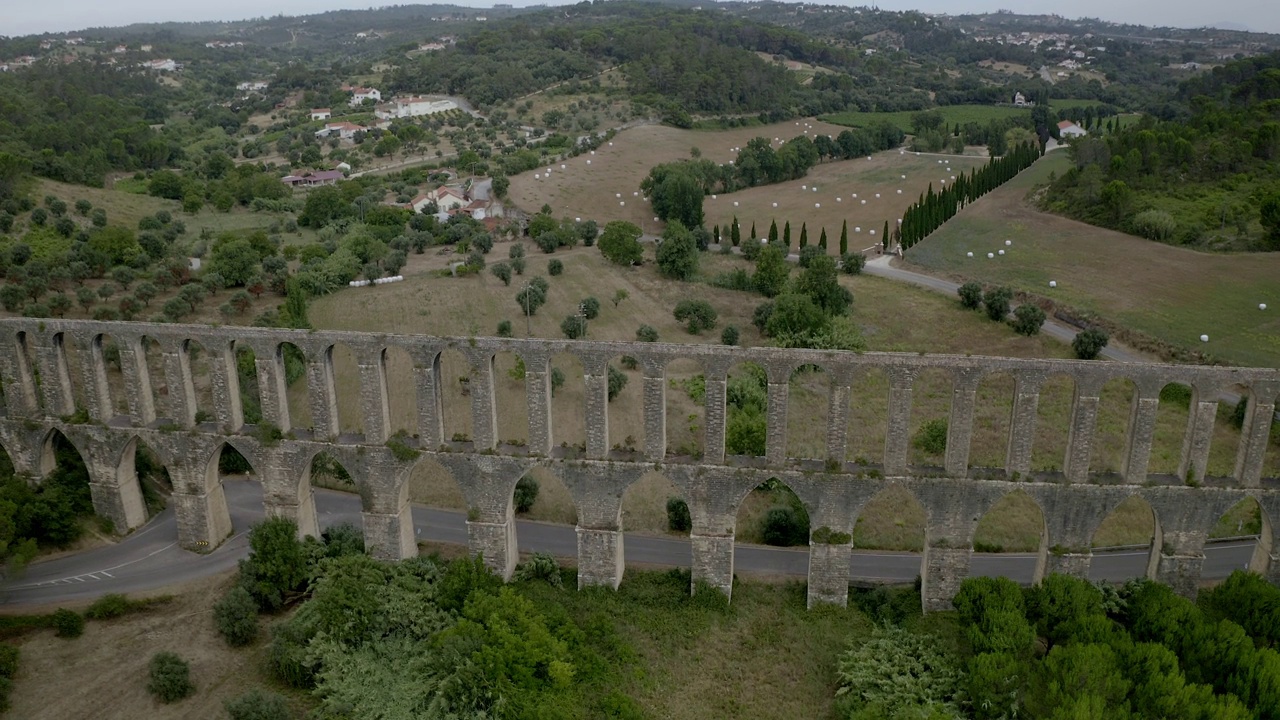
x=54, y=376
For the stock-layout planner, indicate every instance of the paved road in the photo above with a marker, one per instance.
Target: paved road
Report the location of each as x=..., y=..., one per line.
x=150, y=558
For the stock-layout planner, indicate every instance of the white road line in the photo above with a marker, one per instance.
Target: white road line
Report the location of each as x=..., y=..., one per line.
x=104, y=572
x=77, y=578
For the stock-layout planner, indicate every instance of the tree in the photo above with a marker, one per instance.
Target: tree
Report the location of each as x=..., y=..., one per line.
x=786, y=235
x=822, y=240
x=1027, y=319
x=844, y=239
x=235, y=259
x=678, y=253
x=821, y=284
x=258, y=704
x=277, y=566
x=773, y=232
x=729, y=336
x=118, y=244
x=997, y=301
x=897, y=673
x=526, y=493
x=620, y=243
x=619, y=295
x=590, y=308
x=555, y=267
x=735, y=233
x=574, y=327
x=675, y=194
x=617, y=381
x=698, y=315
x=502, y=271
x=804, y=234
x=1088, y=344
x=170, y=678
x=772, y=271
x=236, y=617
x=678, y=517
x=145, y=292
x=86, y=297
x=646, y=333
x=59, y=304
x=970, y=295
x=1270, y=218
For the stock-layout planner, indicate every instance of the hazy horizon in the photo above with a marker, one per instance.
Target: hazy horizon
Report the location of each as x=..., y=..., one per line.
x=73, y=15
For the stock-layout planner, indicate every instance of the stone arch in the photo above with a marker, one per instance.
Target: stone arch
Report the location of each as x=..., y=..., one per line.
x=201, y=377
x=1130, y=528
x=66, y=359
x=930, y=415
x=626, y=408
x=752, y=520
x=140, y=473
x=156, y=380
x=644, y=504
x=402, y=399
x=228, y=484
x=809, y=388
x=434, y=485
x=746, y=425
x=685, y=407
x=1053, y=423
x=245, y=366
x=107, y=371
x=292, y=361
x=1110, y=439
x=554, y=503
x=28, y=381
x=892, y=519
x=1172, y=415
x=1014, y=524
x=511, y=397
x=454, y=372
x=48, y=460
x=993, y=408
x=568, y=403
x=868, y=417
x=342, y=363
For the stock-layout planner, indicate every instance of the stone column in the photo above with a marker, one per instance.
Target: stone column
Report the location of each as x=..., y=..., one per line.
x=1195, y=445
x=93, y=375
x=655, y=412
x=426, y=375
x=713, y=495
x=1084, y=420
x=537, y=385
x=715, y=416
x=182, y=389
x=945, y=567
x=225, y=384
x=1142, y=428
x=137, y=380
x=386, y=514
x=389, y=535
x=55, y=380
x=286, y=491
x=838, y=418
x=113, y=485
x=200, y=506
x=776, y=420
x=829, y=573
x=322, y=395
x=271, y=386
x=964, y=396
x=487, y=482
x=1255, y=433
x=1022, y=423
x=20, y=390
x=597, y=490
x=375, y=408
x=952, y=510
x=596, y=383
x=897, y=436
x=1266, y=558
x=484, y=416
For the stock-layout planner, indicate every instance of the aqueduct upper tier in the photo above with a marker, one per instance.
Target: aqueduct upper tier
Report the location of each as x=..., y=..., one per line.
x=55, y=377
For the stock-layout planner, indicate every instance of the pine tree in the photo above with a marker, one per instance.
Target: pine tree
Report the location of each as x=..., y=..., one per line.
x=735, y=232
x=822, y=240
x=786, y=235
x=844, y=239
x=773, y=232
x=804, y=234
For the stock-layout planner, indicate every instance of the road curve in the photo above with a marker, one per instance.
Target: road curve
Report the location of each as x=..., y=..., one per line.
x=150, y=558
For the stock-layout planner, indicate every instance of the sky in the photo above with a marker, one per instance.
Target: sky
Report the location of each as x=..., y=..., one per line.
x=18, y=17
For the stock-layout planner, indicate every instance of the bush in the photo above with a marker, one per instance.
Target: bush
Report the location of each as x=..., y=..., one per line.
x=258, y=705
x=108, y=606
x=526, y=494
x=555, y=267
x=68, y=623
x=998, y=300
x=1088, y=344
x=574, y=327
x=678, y=518
x=1027, y=319
x=970, y=295
x=645, y=333
x=236, y=617
x=931, y=438
x=540, y=567
x=698, y=315
x=9, y=655
x=785, y=526
x=1155, y=225
x=504, y=329
x=808, y=253
x=729, y=336
x=853, y=263
x=617, y=381
x=590, y=308
x=170, y=678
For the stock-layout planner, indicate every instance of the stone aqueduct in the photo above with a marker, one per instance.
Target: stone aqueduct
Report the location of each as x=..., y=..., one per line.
x=55, y=377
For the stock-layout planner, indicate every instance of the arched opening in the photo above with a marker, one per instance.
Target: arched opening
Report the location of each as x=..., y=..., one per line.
x=772, y=514
x=1015, y=524
x=153, y=361
x=402, y=392
x=568, y=403
x=893, y=519
x=993, y=407
x=1110, y=439
x=52, y=513
x=746, y=411
x=652, y=505
x=297, y=387
x=1242, y=521
x=346, y=387
x=242, y=490
x=541, y=495
x=327, y=472
x=808, y=411
x=930, y=415
x=431, y=485
x=511, y=398
x=201, y=381
x=247, y=375
x=105, y=355
x=686, y=408
x=27, y=374
x=1170, y=429
x=142, y=482
x=1053, y=424
x=70, y=360
x=868, y=417
x=455, y=395
x=626, y=404
x=1126, y=543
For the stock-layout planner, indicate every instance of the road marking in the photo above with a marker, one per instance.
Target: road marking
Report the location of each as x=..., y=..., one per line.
x=104, y=572
x=80, y=578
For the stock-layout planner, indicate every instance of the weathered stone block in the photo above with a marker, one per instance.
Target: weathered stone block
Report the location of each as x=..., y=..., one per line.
x=828, y=574
x=599, y=558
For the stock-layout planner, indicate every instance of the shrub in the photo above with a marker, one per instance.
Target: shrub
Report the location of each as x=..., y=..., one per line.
x=896, y=674
x=526, y=494
x=8, y=660
x=1155, y=225
x=808, y=253
x=997, y=300
x=68, y=623
x=108, y=606
x=678, y=518
x=1027, y=319
x=729, y=336
x=555, y=267
x=277, y=567
x=645, y=333
x=785, y=526
x=970, y=295
x=1088, y=344
x=590, y=308
x=504, y=328
x=931, y=438
x=698, y=315
x=853, y=263
x=617, y=381
x=170, y=678
x=258, y=705
x=574, y=327
x=540, y=567
x=236, y=617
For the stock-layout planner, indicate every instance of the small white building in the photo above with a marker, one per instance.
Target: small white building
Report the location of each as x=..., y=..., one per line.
x=344, y=130
x=1068, y=129
x=413, y=107
x=321, y=113
x=360, y=94
x=165, y=65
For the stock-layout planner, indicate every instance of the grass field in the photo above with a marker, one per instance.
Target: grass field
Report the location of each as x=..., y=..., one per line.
x=1170, y=293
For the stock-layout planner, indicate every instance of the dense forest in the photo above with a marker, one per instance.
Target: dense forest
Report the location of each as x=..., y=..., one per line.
x=1205, y=178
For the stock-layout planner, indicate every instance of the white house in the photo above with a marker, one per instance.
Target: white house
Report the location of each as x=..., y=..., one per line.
x=344, y=130
x=321, y=113
x=165, y=65
x=413, y=107
x=1020, y=100
x=253, y=86
x=1068, y=129
x=446, y=199
x=360, y=94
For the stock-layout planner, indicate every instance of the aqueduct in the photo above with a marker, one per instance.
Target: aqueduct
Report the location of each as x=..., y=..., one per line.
x=55, y=379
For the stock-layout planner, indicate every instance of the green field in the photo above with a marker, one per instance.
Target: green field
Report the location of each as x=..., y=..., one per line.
x=1170, y=293
x=981, y=114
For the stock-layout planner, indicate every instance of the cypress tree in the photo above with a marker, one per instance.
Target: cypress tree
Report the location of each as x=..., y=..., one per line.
x=786, y=235
x=735, y=233
x=773, y=232
x=754, y=236
x=885, y=237
x=822, y=240
x=715, y=233
x=804, y=234
x=844, y=238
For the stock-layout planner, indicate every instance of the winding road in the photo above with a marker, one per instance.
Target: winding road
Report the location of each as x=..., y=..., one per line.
x=150, y=559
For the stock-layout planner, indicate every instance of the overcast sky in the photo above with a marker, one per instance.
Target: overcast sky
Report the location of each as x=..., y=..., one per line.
x=21, y=17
